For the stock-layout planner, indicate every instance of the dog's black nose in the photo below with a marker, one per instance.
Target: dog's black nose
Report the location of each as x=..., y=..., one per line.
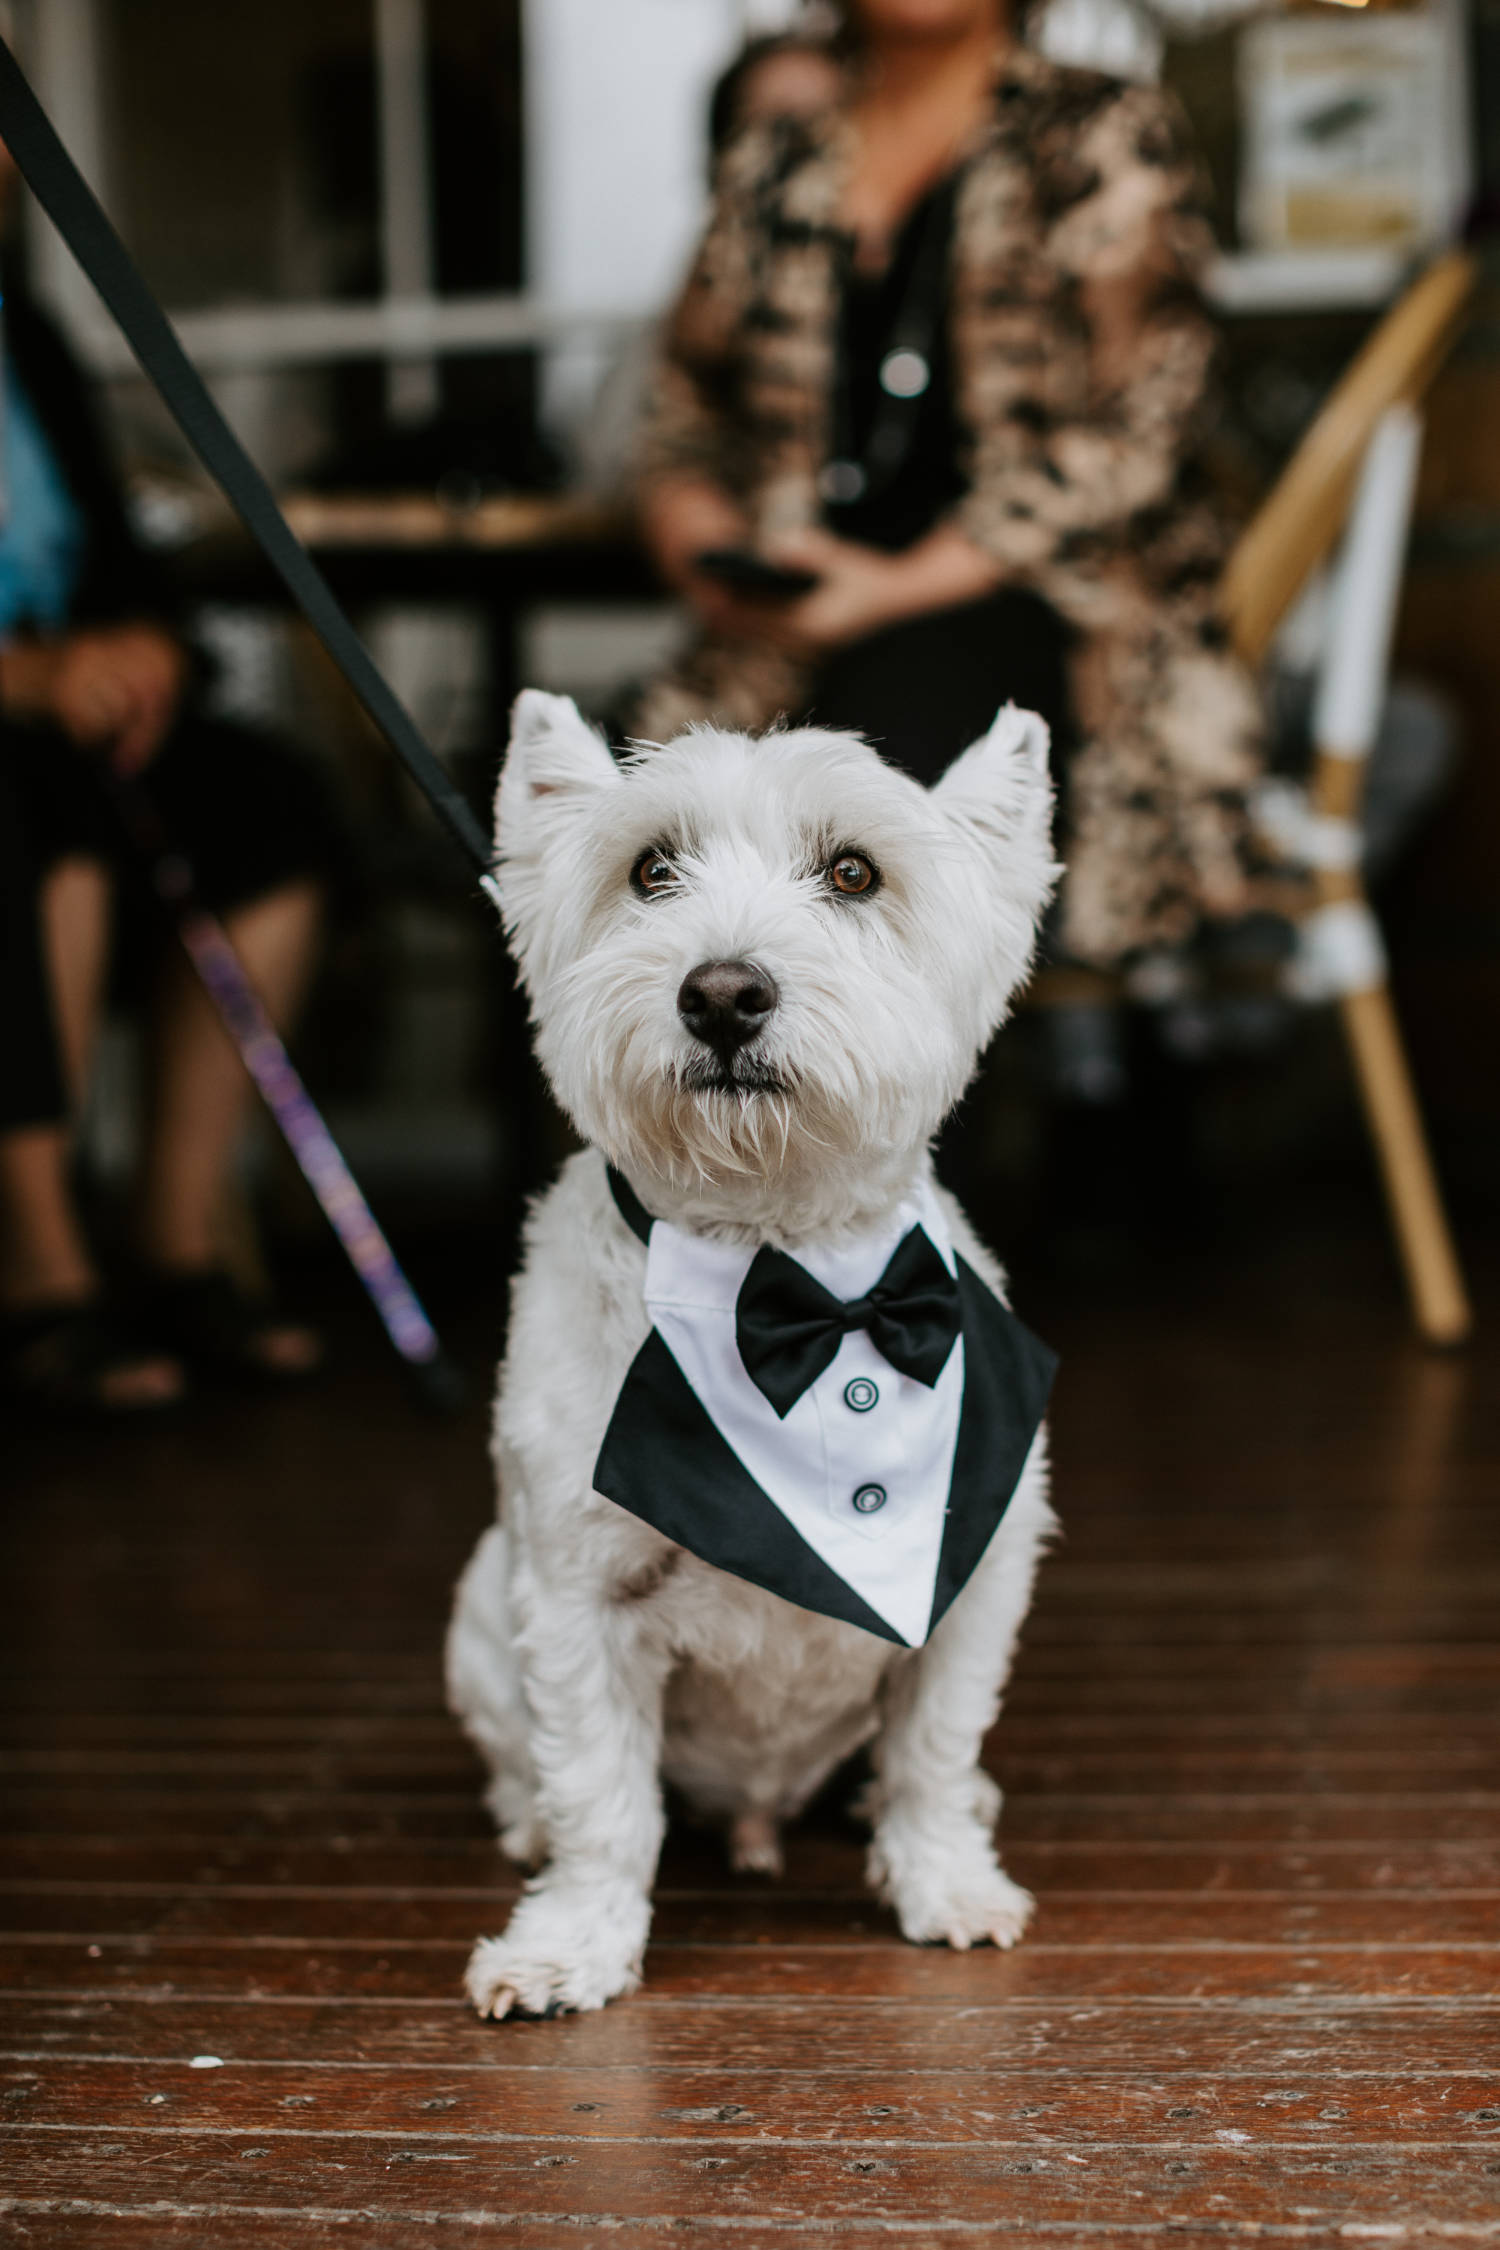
x=724, y=1003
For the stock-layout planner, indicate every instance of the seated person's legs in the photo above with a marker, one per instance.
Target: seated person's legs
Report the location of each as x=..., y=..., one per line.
x=256, y=822
x=254, y=819
x=55, y=901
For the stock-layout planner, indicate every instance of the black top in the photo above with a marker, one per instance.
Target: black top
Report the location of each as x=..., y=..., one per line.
x=118, y=576
x=907, y=450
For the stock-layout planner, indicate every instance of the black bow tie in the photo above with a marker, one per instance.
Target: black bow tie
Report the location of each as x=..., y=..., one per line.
x=790, y=1327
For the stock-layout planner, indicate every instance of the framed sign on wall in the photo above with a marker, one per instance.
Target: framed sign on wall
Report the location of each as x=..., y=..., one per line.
x=1355, y=129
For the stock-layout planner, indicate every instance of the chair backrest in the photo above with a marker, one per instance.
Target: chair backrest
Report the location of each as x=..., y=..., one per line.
x=1304, y=513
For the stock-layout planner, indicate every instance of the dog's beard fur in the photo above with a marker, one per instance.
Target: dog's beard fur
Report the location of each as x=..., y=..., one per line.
x=884, y=1001
x=743, y=1077
x=812, y=1096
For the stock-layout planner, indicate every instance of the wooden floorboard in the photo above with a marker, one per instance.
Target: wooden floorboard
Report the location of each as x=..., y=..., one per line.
x=1252, y=1772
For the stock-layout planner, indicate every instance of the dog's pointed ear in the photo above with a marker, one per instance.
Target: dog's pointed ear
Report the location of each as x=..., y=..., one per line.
x=1002, y=785
x=554, y=759
x=998, y=795
x=997, y=798
x=1001, y=788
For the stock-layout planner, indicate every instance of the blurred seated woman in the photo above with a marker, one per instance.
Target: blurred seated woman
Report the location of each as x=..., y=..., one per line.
x=92, y=670
x=941, y=347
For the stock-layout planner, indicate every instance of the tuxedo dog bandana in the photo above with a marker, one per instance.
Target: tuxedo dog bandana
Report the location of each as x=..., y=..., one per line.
x=845, y=1428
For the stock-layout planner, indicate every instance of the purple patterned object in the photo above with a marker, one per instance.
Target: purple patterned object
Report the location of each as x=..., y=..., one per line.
x=260, y=1048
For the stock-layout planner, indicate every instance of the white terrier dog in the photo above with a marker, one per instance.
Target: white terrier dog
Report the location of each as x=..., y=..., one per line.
x=769, y=1442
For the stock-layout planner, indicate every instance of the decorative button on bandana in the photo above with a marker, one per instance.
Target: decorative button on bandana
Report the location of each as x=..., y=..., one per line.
x=876, y=1519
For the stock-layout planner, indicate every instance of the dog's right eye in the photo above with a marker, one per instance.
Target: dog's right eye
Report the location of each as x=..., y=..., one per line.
x=653, y=872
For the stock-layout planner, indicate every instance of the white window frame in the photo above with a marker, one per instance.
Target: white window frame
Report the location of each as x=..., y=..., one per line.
x=409, y=325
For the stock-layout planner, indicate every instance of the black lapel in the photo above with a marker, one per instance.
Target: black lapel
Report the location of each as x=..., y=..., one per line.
x=664, y=1460
x=1007, y=1375
x=629, y=1204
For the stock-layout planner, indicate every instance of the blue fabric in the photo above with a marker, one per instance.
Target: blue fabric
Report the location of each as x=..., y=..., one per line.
x=41, y=529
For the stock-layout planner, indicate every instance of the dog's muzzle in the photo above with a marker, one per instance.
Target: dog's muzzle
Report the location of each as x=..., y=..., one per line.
x=724, y=1004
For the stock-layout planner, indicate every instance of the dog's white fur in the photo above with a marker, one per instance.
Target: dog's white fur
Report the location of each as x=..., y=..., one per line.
x=588, y=1657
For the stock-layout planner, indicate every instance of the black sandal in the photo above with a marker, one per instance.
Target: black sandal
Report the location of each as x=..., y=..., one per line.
x=59, y=1358
x=208, y=1321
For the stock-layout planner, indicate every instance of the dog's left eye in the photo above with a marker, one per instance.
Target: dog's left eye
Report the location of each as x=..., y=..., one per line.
x=653, y=872
x=852, y=875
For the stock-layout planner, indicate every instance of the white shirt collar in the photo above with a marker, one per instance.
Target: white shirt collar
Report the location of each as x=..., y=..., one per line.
x=697, y=1272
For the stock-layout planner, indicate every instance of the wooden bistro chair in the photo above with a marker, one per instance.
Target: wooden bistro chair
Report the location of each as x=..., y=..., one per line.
x=1354, y=475
x=1356, y=471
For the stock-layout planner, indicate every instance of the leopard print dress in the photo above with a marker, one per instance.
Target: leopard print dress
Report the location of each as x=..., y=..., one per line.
x=1082, y=358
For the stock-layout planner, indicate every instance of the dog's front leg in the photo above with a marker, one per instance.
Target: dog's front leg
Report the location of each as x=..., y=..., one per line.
x=593, y=1685
x=933, y=1856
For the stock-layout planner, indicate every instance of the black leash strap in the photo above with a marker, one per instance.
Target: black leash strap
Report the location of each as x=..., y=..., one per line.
x=74, y=210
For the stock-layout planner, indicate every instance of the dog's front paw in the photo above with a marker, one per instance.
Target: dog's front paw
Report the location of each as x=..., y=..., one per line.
x=564, y=1949
x=990, y=1911
x=958, y=1897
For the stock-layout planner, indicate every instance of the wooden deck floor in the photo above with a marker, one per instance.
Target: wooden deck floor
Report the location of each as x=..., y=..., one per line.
x=1251, y=1772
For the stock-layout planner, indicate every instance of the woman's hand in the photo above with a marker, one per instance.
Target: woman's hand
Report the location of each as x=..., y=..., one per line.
x=113, y=688
x=861, y=589
x=684, y=517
